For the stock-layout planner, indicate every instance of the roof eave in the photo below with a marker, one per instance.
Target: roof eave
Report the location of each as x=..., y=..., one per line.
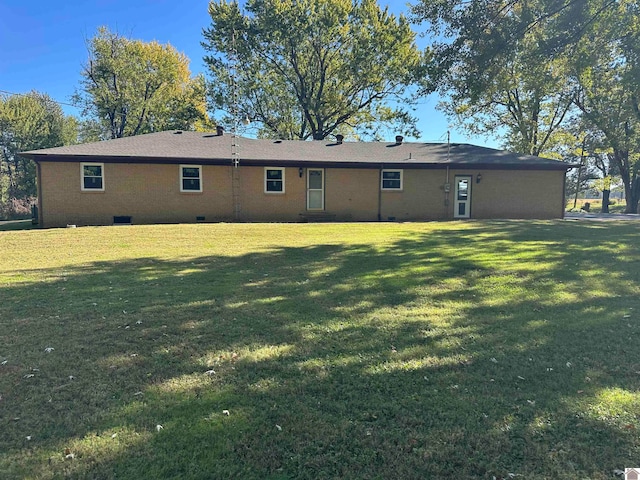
x=296, y=163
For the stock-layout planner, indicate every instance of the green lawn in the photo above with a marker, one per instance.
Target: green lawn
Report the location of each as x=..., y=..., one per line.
x=390, y=351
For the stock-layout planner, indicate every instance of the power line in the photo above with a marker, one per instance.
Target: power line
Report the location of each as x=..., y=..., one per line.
x=48, y=98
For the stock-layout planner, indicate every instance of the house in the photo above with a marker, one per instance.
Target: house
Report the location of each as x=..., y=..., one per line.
x=180, y=176
x=632, y=474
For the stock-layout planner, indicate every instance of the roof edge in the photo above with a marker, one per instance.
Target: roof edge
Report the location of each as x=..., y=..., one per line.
x=295, y=163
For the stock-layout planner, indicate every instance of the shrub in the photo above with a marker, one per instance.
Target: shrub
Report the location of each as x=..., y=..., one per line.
x=17, y=208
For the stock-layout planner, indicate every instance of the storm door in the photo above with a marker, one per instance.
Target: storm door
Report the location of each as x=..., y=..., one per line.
x=315, y=189
x=462, y=201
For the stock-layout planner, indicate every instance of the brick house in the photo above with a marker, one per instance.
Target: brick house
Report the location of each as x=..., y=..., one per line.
x=180, y=176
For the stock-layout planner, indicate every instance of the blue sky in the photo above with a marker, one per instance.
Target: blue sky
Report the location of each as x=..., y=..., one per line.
x=43, y=45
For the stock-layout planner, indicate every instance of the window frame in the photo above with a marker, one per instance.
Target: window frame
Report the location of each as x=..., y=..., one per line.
x=182, y=178
x=401, y=180
x=266, y=180
x=83, y=176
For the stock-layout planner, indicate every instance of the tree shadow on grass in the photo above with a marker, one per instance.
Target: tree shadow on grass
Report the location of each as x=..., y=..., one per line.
x=477, y=352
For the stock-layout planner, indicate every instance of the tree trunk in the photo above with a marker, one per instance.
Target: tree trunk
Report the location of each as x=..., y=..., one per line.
x=630, y=179
x=605, y=201
x=633, y=196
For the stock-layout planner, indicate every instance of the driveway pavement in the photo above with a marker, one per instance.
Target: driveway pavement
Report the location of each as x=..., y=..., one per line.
x=603, y=217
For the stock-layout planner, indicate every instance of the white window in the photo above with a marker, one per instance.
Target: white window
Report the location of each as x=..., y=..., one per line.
x=273, y=180
x=391, y=180
x=190, y=178
x=92, y=177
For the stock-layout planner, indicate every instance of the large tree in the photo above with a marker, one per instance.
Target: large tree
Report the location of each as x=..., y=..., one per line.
x=28, y=122
x=130, y=87
x=309, y=68
x=605, y=72
x=494, y=63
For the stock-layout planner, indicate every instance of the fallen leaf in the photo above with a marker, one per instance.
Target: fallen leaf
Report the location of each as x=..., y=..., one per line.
x=159, y=427
x=210, y=372
x=278, y=427
x=49, y=349
x=493, y=359
x=28, y=437
x=226, y=412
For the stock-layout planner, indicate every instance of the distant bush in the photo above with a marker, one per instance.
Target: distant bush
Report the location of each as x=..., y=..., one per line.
x=17, y=208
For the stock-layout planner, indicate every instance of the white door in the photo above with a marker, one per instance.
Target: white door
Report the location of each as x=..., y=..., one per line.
x=315, y=189
x=462, y=202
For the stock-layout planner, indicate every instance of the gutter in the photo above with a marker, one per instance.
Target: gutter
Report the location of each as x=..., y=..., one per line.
x=298, y=163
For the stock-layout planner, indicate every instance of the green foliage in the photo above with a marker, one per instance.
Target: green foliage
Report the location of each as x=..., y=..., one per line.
x=130, y=87
x=307, y=69
x=604, y=65
x=28, y=122
x=499, y=80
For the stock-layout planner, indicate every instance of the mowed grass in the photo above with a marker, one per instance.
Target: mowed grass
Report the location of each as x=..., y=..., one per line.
x=410, y=351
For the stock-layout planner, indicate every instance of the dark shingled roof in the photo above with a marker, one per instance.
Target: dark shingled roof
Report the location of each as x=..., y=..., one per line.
x=213, y=149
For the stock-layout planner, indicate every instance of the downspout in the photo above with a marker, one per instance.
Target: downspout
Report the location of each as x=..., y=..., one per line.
x=564, y=193
x=447, y=185
x=447, y=189
x=39, y=192
x=380, y=193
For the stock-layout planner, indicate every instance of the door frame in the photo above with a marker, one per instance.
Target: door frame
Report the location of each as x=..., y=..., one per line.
x=316, y=189
x=456, y=201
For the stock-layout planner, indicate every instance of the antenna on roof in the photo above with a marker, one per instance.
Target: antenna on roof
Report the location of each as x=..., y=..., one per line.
x=235, y=155
x=233, y=67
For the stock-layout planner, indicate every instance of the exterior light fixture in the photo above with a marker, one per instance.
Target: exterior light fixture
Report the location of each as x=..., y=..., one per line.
x=300, y=172
x=478, y=178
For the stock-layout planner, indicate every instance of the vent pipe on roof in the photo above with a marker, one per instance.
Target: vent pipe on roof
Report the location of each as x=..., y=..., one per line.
x=220, y=130
x=339, y=139
x=399, y=139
